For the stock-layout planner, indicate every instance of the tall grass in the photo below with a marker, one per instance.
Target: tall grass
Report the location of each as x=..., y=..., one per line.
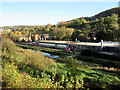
x=27, y=69
x=16, y=60
x=10, y=52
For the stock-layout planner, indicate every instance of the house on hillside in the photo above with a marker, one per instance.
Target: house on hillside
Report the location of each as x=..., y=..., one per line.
x=45, y=36
x=37, y=37
x=34, y=37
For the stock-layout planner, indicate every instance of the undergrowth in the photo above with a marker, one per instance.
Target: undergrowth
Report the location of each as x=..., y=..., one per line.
x=26, y=69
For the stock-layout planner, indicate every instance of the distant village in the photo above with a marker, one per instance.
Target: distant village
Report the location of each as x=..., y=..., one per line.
x=32, y=36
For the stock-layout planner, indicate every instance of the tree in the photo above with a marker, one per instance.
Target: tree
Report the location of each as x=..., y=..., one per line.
x=77, y=23
x=87, y=31
x=62, y=33
x=15, y=36
x=83, y=20
x=79, y=35
x=6, y=33
x=61, y=24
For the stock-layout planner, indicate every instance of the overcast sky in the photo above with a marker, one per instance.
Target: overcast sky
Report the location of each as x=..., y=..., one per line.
x=41, y=13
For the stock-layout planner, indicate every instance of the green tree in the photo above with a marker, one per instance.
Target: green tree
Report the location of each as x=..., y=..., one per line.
x=62, y=33
x=86, y=31
x=77, y=23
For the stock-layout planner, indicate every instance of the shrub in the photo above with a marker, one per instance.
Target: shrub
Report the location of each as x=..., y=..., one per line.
x=36, y=59
x=8, y=46
x=13, y=79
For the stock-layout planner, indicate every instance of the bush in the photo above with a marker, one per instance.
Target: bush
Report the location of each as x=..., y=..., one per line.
x=28, y=62
x=8, y=46
x=30, y=69
x=36, y=59
x=18, y=55
x=13, y=79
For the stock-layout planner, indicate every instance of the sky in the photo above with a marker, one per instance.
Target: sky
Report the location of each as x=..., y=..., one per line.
x=49, y=12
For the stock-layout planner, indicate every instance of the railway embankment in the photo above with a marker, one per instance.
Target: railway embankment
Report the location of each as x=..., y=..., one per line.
x=89, y=57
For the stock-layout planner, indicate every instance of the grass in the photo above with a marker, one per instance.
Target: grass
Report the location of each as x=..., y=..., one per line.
x=24, y=68
x=49, y=50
